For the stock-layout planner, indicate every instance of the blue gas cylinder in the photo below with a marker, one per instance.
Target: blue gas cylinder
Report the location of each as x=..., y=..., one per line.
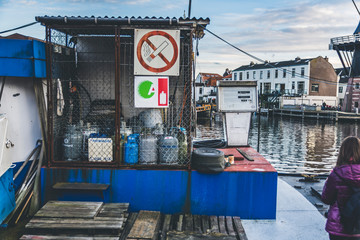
x=131, y=149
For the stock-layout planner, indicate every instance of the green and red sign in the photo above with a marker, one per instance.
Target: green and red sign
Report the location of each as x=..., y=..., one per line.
x=151, y=92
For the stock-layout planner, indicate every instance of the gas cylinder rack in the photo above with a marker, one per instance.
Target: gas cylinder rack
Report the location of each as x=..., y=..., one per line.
x=119, y=90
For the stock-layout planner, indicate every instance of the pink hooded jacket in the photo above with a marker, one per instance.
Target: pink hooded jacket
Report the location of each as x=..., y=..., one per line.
x=336, y=193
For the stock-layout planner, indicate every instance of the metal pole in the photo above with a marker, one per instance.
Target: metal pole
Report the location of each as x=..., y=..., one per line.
x=356, y=7
x=189, y=12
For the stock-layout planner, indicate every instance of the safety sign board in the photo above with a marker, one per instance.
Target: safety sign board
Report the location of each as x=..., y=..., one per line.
x=151, y=92
x=156, y=52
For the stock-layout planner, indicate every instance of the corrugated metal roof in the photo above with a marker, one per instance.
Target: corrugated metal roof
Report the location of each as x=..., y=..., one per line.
x=105, y=25
x=294, y=62
x=92, y=20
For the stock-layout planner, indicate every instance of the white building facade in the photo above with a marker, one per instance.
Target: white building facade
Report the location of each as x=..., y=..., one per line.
x=311, y=81
x=288, y=77
x=205, y=87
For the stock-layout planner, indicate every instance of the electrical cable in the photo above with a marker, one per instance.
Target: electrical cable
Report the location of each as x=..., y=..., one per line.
x=268, y=63
x=23, y=26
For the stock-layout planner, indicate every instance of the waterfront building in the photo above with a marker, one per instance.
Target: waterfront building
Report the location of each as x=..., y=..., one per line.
x=205, y=86
x=343, y=80
x=300, y=81
x=227, y=77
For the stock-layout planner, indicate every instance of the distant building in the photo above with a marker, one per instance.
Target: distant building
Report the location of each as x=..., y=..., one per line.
x=343, y=80
x=227, y=77
x=302, y=81
x=205, y=86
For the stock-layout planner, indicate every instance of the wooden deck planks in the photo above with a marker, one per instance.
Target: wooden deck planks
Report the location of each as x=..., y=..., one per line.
x=230, y=226
x=81, y=186
x=88, y=220
x=197, y=224
x=179, y=223
x=222, y=227
x=214, y=224
x=69, y=209
x=239, y=228
x=166, y=226
x=146, y=226
x=62, y=237
x=189, y=223
x=112, y=221
x=130, y=222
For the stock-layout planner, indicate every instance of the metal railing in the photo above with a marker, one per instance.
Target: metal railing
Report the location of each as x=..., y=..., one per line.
x=345, y=39
x=288, y=92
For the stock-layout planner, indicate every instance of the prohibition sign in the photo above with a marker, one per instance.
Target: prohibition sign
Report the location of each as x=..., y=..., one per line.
x=157, y=51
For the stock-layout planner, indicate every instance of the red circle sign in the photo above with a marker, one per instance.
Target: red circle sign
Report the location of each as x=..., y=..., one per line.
x=146, y=39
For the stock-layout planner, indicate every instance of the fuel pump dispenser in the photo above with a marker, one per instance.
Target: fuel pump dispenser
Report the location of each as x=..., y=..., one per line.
x=236, y=100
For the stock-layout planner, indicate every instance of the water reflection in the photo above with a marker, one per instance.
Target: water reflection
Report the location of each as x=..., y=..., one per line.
x=293, y=145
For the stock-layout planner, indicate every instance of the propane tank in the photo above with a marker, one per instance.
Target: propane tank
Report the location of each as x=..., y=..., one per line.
x=168, y=150
x=72, y=143
x=148, y=150
x=131, y=150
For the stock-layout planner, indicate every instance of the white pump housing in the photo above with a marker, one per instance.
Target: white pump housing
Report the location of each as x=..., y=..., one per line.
x=237, y=100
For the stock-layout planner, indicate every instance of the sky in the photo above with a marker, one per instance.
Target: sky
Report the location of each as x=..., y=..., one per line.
x=276, y=30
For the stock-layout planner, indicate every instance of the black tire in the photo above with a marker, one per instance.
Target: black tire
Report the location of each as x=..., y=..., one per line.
x=208, y=160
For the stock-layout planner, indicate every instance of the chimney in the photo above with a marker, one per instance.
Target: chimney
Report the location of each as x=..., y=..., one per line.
x=326, y=58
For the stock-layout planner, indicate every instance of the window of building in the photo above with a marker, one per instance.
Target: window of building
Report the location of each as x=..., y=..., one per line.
x=357, y=85
x=240, y=76
x=284, y=73
x=261, y=87
x=247, y=75
x=315, y=87
x=293, y=72
x=254, y=74
x=268, y=73
x=276, y=73
x=293, y=85
x=302, y=71
x=200, y=91
x=261, y=74
x=340, y=89
x=235, y=76
x=267, y=87
x=356, y=104
x=277, y=87
x=300, y=87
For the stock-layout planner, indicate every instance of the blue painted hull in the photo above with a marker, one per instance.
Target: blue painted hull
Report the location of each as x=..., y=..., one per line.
x=250, y=195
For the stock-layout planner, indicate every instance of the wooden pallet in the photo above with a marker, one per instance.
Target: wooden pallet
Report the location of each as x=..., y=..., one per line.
x=78, y=220
x=176, y=227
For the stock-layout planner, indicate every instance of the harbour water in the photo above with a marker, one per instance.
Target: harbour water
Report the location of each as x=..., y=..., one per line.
x=292, y=145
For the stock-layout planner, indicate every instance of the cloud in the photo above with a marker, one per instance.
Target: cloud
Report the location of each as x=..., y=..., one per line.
x=21, y=2
x=300, y=27
x=278, y=33
x=127, y=2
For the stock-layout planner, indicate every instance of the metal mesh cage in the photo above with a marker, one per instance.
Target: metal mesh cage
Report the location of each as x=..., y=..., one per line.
x=92, y=115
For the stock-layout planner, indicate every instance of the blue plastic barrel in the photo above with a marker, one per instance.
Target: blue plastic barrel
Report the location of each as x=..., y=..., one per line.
x=131, y=149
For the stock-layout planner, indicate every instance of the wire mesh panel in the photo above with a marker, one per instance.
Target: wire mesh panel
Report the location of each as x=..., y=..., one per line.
x=93, y=116
x=83, y=81
x=156, y=136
